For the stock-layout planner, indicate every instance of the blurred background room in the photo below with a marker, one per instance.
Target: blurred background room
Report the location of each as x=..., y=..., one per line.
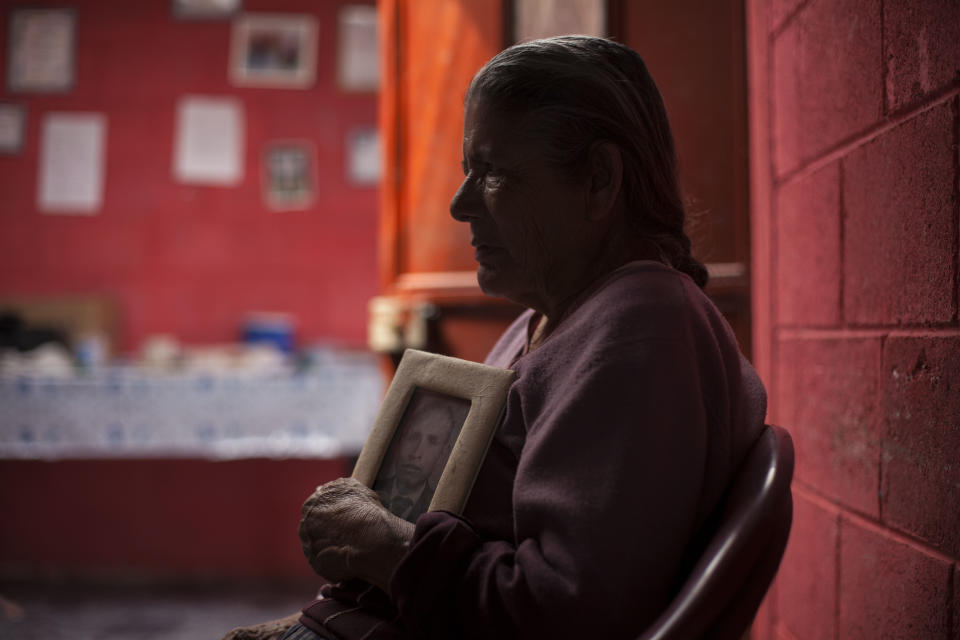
x=188, y=216
x=222, y=221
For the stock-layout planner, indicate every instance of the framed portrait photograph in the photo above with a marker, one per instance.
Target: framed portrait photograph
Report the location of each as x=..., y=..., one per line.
x=40, y=54
x=432, y=433
x=288, y=175
x=273, y=50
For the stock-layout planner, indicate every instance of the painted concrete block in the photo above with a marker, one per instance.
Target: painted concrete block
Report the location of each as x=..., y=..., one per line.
x=921, y=446
x=765, y=622
x=899, y=239
x=890, y=588
x=808, y=250
x=807, y=589
x=921, y=48
x=827, y=78
x=783, y=634
x=829, y=400
x=780, y=10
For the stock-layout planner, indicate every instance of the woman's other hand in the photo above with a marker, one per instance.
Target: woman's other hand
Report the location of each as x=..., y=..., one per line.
x=272, y=630
x=346, y=533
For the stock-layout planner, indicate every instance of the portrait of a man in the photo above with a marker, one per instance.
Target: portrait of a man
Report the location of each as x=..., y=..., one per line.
x=418, y=452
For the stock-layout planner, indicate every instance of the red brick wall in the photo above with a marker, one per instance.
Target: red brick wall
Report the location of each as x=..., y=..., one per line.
x=854, y=179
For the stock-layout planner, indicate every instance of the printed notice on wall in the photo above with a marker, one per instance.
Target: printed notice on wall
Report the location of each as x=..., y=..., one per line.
x=357, y=56
x=363, y=156
x=72, y=155
x=209, y=141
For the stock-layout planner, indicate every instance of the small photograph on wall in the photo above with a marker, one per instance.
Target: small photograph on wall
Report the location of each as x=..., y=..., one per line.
x=13, y=124
x=288, y=175
x=41, y=50
x=363, y=157
x=358, y=66
x=205, y=9
x=273, y=50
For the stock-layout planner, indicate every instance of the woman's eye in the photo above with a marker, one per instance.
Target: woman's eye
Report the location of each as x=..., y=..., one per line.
x=483, y=176
x=492, y=178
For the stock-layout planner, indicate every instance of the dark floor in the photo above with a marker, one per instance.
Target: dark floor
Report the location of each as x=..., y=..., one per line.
x=54, y=611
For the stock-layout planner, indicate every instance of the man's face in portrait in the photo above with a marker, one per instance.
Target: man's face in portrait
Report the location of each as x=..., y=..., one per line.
x=423, y=443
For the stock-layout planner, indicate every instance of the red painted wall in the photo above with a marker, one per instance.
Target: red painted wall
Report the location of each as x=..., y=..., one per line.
x=184, y=259
x=181, y=519
x=187, y=260
x=854, y=126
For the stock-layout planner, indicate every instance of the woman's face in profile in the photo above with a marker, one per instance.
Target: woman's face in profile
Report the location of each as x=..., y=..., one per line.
x=524, y=216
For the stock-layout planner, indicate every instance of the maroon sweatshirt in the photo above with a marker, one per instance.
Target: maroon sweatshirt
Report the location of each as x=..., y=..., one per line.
x=620, y=434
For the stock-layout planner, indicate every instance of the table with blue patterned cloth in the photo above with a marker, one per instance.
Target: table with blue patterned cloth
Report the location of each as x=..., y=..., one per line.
x=324, y=411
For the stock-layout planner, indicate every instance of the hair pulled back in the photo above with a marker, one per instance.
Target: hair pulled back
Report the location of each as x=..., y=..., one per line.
x=579, y=90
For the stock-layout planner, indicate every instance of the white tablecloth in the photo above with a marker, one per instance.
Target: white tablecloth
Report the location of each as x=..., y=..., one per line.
x=114, y=412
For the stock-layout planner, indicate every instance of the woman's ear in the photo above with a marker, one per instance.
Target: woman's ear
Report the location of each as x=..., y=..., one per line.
x=605, y=175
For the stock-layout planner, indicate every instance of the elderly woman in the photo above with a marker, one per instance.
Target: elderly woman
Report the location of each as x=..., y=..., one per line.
x=632, y=405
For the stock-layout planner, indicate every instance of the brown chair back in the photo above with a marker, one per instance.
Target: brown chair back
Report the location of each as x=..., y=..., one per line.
x=722, y=593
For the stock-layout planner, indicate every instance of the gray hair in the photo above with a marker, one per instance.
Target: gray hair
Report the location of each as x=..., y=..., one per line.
x=578, y=90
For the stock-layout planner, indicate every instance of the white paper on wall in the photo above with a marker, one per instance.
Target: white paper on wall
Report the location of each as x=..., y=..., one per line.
x=72, y=155
x=358, y=66
x=363, y=159
x=544, y=18
x=209, y=141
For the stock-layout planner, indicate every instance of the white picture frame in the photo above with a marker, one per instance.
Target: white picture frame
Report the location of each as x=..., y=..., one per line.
x=456, y=403
x=273, y=50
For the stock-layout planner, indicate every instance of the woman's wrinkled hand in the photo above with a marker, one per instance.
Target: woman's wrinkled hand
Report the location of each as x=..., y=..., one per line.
x=346, y=533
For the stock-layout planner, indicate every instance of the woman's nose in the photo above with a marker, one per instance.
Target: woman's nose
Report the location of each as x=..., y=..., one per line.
x=465, y=203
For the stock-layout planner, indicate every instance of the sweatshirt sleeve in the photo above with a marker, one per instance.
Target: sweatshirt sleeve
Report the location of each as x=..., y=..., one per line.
x=605, y=500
